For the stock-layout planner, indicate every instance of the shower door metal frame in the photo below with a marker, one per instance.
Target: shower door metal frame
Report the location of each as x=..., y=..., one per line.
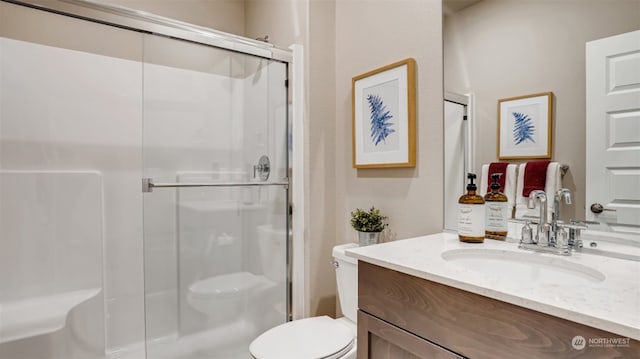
x=142, y=21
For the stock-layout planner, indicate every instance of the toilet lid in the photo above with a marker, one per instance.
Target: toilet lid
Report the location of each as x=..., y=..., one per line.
x=317, y=337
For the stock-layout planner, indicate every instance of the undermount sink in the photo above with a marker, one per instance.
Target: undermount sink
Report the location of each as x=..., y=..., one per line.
x=523, y=266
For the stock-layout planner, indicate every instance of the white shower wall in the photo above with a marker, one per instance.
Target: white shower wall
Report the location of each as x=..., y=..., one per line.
x=67, y=110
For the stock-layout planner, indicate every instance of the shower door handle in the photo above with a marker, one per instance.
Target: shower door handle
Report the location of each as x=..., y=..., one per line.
x=148, y=185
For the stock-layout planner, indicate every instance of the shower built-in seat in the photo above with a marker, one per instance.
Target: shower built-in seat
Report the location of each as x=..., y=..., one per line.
x=35, y=316
x=50, y=252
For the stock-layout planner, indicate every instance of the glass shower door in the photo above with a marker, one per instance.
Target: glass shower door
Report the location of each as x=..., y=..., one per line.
x=216, y=203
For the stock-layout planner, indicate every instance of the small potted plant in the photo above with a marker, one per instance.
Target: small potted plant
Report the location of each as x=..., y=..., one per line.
x=368, y=224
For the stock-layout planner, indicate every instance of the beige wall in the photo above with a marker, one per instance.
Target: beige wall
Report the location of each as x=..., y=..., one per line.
x=503, y=48
x=322, y=194
x=285, y=21
x=371, y=34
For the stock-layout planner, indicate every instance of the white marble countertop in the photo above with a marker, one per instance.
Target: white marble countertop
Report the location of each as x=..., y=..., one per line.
x=610, y=303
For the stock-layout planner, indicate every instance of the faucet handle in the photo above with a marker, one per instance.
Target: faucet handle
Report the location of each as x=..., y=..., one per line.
x=526, y=219
x=583, y=222
x=575, y=232
x=563, y=242
x=527, y=234
x=543, y=237
x=576, y=226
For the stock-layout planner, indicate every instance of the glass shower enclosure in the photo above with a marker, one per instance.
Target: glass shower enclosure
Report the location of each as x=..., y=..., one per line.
x=215, y=207
x=144, y=185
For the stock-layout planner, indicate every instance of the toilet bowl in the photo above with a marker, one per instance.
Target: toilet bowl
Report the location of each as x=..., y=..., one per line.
x=227, y=299
x=223, y=297
x=318, y=337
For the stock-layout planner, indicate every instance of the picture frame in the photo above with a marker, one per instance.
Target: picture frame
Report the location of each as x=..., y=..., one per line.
x=384, y=117
x=524, y=126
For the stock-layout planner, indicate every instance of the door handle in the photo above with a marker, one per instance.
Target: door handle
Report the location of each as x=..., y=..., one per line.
x=598, y=208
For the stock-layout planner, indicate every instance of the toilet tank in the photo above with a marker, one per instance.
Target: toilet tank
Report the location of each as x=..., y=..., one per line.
x=347, y=278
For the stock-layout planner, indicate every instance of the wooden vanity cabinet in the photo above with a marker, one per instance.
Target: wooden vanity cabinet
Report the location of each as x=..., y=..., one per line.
x=405, y=317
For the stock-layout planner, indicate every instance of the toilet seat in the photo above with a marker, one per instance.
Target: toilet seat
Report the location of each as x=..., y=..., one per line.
x=317, y=337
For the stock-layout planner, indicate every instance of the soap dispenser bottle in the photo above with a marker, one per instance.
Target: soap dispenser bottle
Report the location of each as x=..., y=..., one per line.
x=471, y=214
x=496, y=208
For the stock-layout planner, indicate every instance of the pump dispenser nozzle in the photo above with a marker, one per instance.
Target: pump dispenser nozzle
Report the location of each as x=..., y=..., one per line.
x=471, y=186
x=495, y=185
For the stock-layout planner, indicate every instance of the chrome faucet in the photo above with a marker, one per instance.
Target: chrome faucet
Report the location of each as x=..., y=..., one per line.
x=556, y=237
x=542, y=235
x=562, y=192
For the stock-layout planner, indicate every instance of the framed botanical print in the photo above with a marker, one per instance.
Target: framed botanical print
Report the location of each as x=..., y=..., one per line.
x=383, y=118
x=524, y=126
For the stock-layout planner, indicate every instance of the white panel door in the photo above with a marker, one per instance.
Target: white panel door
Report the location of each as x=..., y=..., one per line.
x=613, y=132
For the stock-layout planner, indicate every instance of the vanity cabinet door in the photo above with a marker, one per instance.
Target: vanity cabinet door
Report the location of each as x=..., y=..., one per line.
x=378, y=339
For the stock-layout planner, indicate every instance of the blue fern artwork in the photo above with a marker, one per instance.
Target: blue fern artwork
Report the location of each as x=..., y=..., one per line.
x=380, y=116
x=523, y=129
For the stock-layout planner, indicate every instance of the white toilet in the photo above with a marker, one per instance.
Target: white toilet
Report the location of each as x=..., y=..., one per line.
x=318, y=337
